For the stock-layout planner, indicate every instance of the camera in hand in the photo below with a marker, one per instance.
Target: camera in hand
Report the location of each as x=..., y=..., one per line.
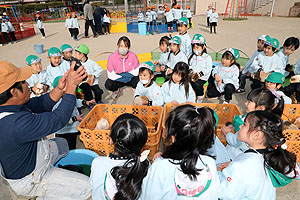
x=77, y=65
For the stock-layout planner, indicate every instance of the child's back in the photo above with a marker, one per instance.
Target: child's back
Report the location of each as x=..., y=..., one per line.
x=68, y=23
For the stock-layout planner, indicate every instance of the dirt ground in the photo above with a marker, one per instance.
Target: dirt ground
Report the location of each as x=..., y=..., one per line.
x=236, y=34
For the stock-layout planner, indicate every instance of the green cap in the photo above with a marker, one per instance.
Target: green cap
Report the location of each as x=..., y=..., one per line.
x=198, y=39
x=82, y=48
x=175, y=40
x=183, y=20
x=66, y=47
x=276, y=77
x=235, y=52
x=55, y=81
x=54, y=51
x=148, y=65
x=273, y=42
x=31, y=59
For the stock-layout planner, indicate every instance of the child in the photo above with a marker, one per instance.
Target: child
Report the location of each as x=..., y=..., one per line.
x=185, y=170
x=208, y=13
x=226, y=76
x=245, y=73
x=189, y=15
x=11, y=30
x=255, y=173
x=177, y=13
x=178, y=89
x=164, y=47
x=140, y=16
x=186, y=46
x=161, y=10
x=257, y=99
x=213, y=19
x=266, y=63
x=5, y=31
x=57, y=66
x=147, y=89
x=93, y=71
x=175, y=55
x=201, y=65
x=170, y=18
x=120, y=175
x=68, y=24
x=40, y=25
x=290, y=45
x=67, y=52
x=294, y=87
x=106, y=21
x=75, y=26
x=274, y=83
x=38, y=80
x=154, y=17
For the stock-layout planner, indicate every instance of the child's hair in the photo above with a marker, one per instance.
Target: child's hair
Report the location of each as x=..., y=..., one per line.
x=193, y=53
x=264, y=97
x=182, y=69
x=164, y=40
x=273, y=48
x=144, y=68
x=228, y=55
x=193, y=129
x=291, y=41
x=172, y=52
x=125, y=40
x=271, y=125
x=129, y=135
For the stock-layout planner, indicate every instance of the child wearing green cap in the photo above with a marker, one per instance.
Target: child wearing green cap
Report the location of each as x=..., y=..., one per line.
x=200, y=65
x=147, y=87
x=266, y=63
x=175, y=56
x=57, y=66
x=93, y=71
x=67, y=52
x=37, y=81
x=186, y=46
x=225, y=79
x=274, y=83
x=213, y=20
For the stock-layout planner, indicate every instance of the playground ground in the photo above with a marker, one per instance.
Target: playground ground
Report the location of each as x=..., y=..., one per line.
x=237, y=34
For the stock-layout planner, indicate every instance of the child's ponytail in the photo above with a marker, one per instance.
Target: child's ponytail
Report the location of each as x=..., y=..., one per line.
x=129, y=135
x=275, y=155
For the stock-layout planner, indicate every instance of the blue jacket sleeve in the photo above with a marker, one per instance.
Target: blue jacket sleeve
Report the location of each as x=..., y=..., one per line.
x=41, y=104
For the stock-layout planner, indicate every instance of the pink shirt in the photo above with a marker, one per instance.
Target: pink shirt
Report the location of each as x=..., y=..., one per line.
x=119, y=65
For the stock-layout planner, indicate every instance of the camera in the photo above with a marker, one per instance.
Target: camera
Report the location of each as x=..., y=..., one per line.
x=77, y=65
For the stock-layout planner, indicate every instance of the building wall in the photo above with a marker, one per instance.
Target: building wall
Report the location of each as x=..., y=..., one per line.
x=201, y=6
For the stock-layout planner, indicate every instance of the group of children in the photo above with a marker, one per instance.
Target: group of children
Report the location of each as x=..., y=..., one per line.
x=7, y=29
x=72, y=25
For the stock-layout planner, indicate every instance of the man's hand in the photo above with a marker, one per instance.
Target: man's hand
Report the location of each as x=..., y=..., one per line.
x=74, y=78
x=175, y=103
x=227, y=129
x=79, y=117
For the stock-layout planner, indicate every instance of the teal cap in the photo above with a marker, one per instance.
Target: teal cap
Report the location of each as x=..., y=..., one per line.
x=148, y=65
x=175, y=40
x=31, y=59
x=66, y=47
x=183, y=20
x=198, y=39
x=276, y=77
x=235, y=52
x=54, y=51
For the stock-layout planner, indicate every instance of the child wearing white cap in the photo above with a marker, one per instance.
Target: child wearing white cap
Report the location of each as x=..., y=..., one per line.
x=245, y=74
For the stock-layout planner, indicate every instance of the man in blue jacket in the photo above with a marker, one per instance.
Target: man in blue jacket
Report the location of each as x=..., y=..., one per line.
x=26, y=160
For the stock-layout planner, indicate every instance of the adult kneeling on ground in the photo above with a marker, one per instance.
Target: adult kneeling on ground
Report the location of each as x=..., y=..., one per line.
x=26, y=159
x=122, y=68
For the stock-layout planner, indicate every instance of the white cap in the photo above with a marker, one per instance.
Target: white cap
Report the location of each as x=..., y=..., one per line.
x=262, y=37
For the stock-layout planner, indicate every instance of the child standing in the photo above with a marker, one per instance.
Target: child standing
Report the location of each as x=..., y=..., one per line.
x=57, y=66
x=225, y=76
x=201, y=64
x=11, y=30
x=38, y=80
x=175, y=55
x=68, y=24
x=213, y=19
x=185, y=170
x=189, y=15
x=148, y=18
x=93, y=71
x=170, y=18
x=177, y=13
x=5, y=30
x=147, y=86
x=245, y=73
x=186, y=46
x=154, y=17
x=255, y=173
x=40, y=25
x=121, y=174
x=266, y=63
x=208, y=13
x=140, y=16
x=106, y=21
x=257, y=99
x=75, y=26
x=178, y=89
x=67, y=52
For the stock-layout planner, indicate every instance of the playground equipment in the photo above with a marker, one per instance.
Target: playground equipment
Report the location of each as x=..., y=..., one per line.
x=22, y=29
x=55, y=14
x=236, y=10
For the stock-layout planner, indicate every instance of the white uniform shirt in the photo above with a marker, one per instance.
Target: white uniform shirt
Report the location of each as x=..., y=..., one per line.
x=10, y=27
x=39, y=24
x=153, y=93
x=163, y=60
x=284, y=58
x=154, y=15
x=75, y=23
x=176, y=92
x=227, y=75
x=177, y=13
x=141, y=17
x=106, y=19
x=68, y=23
x=148, y=16
x=173, y=60
x=297, y=68
x=267, y=63
x=186, y=44
x=169, y=16
x=53, y=72
x=249, y=63
x=208, y=12
x=92, y=68
x=202, y=64
x=4, y=27
x=213, y=17
x=37, y=78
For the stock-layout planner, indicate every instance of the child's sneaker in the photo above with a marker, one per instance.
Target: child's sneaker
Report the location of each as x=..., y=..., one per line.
x=9, y=43
x=115, y=94
x=43, y=37
x=240, y=90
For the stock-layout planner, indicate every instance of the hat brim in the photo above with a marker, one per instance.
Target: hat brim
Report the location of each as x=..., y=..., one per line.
x=25, y=73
